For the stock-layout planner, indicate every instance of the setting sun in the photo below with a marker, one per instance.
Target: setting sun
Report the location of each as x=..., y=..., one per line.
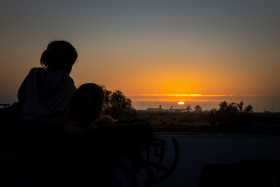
x=181, y=103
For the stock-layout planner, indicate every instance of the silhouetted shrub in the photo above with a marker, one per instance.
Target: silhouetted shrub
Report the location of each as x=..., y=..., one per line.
x=235, y=107
x=198, y=108
x=118, y=105
x=232, y=116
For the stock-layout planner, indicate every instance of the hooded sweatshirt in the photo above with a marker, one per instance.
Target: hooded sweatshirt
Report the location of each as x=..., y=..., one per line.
x=46, y=95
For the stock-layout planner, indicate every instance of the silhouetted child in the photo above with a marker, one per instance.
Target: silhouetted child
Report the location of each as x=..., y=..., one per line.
x=46, y=92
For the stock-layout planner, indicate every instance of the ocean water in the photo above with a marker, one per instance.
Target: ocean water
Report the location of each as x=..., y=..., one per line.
x=259, y=103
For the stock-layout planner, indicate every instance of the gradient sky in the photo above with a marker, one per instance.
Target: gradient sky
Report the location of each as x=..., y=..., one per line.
x=215, y=47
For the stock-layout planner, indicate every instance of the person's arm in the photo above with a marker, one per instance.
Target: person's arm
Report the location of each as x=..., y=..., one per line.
x=65, y=95
x=104, y=120
x=124, y=133
x=22, y=90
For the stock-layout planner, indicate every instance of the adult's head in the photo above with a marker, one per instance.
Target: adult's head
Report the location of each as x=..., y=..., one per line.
x=87, y=103
x=59, y=55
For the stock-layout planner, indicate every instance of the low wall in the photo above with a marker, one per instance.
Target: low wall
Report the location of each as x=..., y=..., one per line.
x=177, y=160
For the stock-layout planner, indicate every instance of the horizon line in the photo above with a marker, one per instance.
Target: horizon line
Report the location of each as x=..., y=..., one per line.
x=196, y=95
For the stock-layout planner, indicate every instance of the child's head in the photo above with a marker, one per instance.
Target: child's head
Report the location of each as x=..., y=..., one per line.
x=87, y=103
x=59, y=55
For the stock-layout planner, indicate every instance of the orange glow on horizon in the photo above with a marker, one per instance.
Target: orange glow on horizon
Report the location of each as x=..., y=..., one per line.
x=173, y=100
x=184, y=95
x=178, y=98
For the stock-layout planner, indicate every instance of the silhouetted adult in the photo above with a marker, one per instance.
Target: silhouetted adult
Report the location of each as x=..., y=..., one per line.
x=46, y=92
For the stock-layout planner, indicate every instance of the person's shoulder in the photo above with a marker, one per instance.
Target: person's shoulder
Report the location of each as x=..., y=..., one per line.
x=69, y=78
x=35, y=69
x=33, y=73
x=69, y=81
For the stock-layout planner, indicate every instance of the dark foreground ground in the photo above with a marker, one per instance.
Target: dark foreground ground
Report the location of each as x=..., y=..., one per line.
x=188, y=149
x=267, y=124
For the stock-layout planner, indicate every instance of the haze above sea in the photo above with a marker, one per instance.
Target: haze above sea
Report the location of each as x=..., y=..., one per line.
x=259, y=103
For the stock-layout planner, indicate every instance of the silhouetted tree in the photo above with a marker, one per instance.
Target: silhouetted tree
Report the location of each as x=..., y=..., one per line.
x=223, y=106
x=233, y=107
x=118, y=105
x=249, y=108
x=198, y=108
